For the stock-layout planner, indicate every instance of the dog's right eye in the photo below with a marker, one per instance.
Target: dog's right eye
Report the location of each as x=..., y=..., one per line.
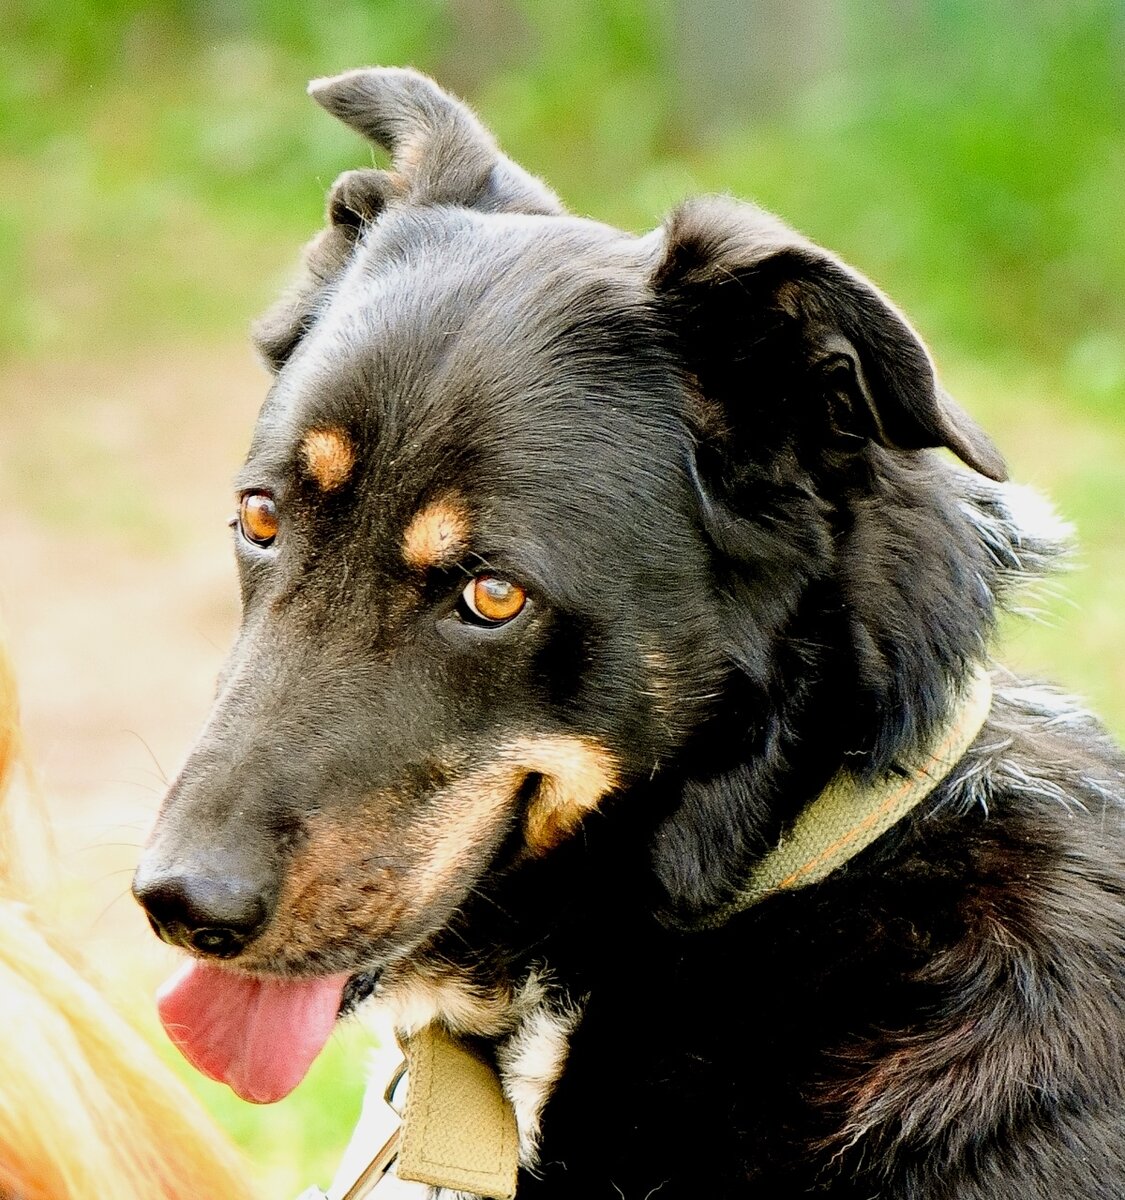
x=258, y=519
x=490, y=600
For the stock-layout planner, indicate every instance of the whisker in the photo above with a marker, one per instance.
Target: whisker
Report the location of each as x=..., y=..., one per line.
x=155, y=760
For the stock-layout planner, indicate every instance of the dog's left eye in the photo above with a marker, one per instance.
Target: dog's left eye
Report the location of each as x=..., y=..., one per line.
x=258, y=518
x=492, y=600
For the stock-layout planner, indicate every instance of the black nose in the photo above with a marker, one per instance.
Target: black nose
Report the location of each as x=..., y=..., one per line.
x=215, y=915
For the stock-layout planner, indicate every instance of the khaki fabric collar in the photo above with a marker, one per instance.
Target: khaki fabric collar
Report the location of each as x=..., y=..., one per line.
x=459, y=1130
x=849, y=815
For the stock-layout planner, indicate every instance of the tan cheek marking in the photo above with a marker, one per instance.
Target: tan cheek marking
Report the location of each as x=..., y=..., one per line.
x=334, y=892
x=329, y=457
x=463, y=816
x=577, y=774
x=437, y=535
x=346, y=886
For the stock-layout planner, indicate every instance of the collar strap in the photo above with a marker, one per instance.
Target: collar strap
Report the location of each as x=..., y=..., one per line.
x=459, y=1130
x=849, y=815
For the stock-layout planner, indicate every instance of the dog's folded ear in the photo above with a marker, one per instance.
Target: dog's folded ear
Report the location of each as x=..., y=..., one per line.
x=440, y=151
x=744, y=291
x=440, y=154
x=803, y=380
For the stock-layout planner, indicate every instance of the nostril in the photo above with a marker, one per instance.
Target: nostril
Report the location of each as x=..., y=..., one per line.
x=218, y=943
x=214, y=915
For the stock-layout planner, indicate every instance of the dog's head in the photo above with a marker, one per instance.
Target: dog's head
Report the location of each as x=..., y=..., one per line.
x=528, y=498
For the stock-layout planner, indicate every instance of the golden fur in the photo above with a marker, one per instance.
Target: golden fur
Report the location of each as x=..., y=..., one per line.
x=87, y=1109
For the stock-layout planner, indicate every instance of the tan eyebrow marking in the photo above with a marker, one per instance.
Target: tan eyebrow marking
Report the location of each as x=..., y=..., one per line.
x=329, y=457
x=437, y=535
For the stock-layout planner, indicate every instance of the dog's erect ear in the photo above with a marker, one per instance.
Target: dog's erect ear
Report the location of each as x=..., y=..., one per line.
x=740, y=286
x=441, y=154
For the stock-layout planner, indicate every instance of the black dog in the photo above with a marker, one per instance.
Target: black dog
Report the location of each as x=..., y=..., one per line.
x=575, y=566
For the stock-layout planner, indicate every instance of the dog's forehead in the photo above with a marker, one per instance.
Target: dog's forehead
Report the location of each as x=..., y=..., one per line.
x=437, y=293
x=452, y=331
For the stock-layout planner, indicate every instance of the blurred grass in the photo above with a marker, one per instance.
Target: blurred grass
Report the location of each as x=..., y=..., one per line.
x=158, y=155
x=159, y=165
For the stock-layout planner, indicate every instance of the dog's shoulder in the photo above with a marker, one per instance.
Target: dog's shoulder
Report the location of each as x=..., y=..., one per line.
x=997, y=939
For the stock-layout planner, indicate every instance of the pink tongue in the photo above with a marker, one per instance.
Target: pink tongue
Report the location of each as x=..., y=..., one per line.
x=259, y=1036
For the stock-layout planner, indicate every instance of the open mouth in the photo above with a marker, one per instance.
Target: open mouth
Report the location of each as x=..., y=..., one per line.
x=259, y=1036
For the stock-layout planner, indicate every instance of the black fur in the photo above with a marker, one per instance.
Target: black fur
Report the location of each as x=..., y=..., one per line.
x=704, y=454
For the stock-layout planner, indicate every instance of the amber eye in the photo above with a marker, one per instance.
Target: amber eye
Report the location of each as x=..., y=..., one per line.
x=492, y=599
x=257, y=518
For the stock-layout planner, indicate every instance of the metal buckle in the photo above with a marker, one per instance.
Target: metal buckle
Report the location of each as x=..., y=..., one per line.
x=376, y=1170
x=389, y=1094
x=385, y=1157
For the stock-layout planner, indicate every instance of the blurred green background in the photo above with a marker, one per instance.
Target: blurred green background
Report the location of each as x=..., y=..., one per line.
x=161, y=164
